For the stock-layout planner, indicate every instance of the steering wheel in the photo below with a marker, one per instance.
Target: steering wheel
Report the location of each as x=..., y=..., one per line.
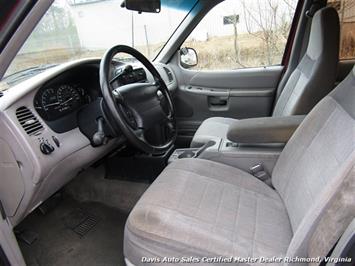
x=137, y=107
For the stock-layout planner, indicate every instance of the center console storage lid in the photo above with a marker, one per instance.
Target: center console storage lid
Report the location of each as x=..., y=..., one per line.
x=264, y=129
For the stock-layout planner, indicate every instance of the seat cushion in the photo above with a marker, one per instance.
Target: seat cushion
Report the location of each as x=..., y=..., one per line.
x=203, y=208
x=214, y=127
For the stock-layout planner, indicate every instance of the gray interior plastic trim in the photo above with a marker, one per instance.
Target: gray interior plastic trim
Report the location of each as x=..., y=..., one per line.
x=253, y=78
x=244, y=157
x=18, y=91
x=12, y=186
x=9, y=244
x=267, y=92
x=21, y=34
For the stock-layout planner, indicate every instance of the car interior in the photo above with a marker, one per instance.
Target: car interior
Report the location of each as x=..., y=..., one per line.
x=169, y=132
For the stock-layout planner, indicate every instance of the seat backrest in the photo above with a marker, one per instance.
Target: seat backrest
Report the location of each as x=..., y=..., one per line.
x=316, y=161
x=315, y=75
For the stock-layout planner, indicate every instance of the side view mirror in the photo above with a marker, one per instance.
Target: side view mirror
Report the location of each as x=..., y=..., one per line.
x=188, y=57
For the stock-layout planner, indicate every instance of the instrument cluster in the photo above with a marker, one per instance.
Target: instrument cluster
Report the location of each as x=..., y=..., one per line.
x=56, y=101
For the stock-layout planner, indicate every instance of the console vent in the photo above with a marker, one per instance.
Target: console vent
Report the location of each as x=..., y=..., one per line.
x=170, y=75
x=28, y=121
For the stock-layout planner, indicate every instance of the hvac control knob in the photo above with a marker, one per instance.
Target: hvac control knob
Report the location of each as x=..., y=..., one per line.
x=46, y=148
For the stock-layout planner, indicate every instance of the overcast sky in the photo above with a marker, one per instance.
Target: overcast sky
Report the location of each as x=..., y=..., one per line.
x=103, y=24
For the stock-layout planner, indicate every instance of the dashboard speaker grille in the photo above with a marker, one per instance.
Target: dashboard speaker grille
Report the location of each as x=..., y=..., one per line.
x=28, y=121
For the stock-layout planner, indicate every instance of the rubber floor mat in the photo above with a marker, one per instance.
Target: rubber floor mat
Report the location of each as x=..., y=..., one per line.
x=76, y=233
x=81, y=221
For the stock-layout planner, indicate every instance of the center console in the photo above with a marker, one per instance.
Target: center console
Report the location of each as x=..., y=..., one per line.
x=252, y=143
x=242, y=156
x=211, y=145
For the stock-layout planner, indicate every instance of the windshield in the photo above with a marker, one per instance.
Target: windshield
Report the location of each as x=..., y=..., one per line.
x=74, y=29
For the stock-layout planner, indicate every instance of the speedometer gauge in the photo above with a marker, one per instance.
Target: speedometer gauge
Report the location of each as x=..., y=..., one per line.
x=68, y=98
x=60, y=100
x=49, y=100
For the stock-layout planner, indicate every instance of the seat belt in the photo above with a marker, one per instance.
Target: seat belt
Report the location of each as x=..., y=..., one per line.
x=260, y=173
x=2, y=211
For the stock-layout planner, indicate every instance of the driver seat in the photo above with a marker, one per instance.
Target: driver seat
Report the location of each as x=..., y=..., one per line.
x=202, y=209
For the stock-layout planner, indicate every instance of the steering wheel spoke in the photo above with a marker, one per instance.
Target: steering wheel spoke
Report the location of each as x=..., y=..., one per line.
x=139, y=132
x=118, y=96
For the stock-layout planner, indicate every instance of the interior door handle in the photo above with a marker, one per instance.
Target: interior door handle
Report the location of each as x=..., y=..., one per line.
x=217, y=101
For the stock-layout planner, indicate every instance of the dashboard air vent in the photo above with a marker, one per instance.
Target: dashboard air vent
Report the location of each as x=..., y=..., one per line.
x=170, y=75
x=1, y=94
x=28, y=121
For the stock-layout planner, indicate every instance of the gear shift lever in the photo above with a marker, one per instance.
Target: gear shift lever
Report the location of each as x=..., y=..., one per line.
x=99, y=137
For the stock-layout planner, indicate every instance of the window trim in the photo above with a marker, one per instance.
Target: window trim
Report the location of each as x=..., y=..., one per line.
x=17, y=12
x=292, y=34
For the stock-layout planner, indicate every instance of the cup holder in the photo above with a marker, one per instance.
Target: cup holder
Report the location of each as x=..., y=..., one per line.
x=192, y=152
x=187, y=154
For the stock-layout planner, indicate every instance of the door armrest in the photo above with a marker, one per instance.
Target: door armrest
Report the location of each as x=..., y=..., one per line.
x=264, y=129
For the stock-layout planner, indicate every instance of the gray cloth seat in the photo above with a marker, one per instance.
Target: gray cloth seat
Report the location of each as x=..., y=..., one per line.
x=203, y=209
x=207, y=208
x=311, y=80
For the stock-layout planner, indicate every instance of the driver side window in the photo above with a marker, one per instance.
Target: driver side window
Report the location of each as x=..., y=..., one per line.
x=242, y=33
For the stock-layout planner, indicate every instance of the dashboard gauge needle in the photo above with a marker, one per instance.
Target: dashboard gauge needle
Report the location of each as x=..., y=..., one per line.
x=67, y=100
x=51, y=104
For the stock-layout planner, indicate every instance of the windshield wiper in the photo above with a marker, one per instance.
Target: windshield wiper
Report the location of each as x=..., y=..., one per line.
x=18, y=76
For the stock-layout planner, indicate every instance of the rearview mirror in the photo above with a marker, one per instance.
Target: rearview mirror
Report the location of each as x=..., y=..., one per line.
x=151, y=6
x=188, y=57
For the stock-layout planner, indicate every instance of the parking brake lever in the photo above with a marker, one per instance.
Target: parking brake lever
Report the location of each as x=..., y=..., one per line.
x=204, y=147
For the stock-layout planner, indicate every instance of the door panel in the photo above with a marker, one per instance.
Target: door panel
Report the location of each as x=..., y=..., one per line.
x=232, y=62
x=241, y=93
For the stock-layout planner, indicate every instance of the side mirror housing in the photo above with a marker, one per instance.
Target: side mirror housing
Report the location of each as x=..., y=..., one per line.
x=188, y=57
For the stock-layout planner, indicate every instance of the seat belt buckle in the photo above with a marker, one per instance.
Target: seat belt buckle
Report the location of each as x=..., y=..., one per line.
x=256, y=168
x=259, y=172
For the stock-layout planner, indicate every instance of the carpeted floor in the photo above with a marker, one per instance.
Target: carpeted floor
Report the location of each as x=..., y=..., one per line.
x=76, y=233
x=95, y=185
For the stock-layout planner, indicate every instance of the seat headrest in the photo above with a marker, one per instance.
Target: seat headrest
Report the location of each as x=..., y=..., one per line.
x=325, y=27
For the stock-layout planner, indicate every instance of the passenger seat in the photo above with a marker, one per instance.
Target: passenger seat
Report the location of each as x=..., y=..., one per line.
x=312, y=79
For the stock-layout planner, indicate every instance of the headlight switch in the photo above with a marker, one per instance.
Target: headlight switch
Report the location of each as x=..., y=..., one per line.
x=46, y=148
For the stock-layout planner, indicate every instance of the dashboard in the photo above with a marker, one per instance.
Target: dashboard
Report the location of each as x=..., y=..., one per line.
x=59, y=100
x=45, y=111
